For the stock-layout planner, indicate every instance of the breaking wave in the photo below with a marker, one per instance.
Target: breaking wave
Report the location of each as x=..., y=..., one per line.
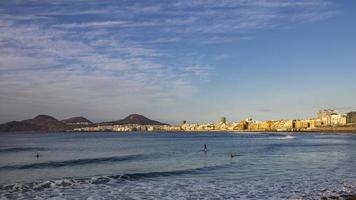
x=139, y=185
x=286, y=137
x=107, y=179
x=19, y=149
x=76, y=162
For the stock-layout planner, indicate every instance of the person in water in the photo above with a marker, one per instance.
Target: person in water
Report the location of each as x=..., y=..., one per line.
x=233, y=155
x=205, y=148
x=37, y=155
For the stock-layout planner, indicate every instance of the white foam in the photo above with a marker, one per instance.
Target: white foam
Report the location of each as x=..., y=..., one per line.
x=287, y=137
x=186, y=188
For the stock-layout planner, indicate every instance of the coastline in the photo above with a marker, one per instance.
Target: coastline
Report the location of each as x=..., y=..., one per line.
x=319, y=130
x=316, y=130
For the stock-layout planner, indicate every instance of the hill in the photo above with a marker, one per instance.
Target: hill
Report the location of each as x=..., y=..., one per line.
x=48, y=123
x=136, y=119
x=39, y=123
x=77, y=121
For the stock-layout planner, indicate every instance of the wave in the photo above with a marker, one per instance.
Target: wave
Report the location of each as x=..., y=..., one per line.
x=125, y=184
x=105, y=179
x=19, y=149
x=199, y=170
x=76, y=162
x=287, y=137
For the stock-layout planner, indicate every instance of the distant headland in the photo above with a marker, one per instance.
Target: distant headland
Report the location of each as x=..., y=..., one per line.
x=326, y=120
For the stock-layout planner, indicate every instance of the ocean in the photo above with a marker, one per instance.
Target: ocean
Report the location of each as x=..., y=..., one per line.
x=175, y=166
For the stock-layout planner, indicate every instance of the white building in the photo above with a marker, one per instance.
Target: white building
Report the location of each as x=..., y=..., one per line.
x=338, y=119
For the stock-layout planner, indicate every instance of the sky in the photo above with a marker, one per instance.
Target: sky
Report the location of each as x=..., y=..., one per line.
x=176, y=60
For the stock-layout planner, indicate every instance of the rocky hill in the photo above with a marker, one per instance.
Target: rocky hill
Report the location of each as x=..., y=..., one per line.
x=39, y=123
x=77, y=121
x=48, y=123
x=136, y=119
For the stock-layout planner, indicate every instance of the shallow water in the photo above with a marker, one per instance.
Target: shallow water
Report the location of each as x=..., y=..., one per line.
x=174, y=166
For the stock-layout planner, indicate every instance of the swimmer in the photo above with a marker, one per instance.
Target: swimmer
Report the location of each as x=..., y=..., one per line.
x=233, y=155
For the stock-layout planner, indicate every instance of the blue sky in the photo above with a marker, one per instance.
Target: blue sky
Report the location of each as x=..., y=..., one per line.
x=175, y=60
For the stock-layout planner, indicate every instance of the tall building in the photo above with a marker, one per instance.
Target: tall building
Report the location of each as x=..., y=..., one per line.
x=223, y=120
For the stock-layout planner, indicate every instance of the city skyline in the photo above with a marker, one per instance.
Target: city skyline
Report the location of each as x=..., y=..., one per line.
x=174, y=61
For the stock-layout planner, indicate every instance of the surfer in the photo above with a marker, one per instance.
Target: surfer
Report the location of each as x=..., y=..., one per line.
x=205, y=148
x=233, y=155
x=37, y=155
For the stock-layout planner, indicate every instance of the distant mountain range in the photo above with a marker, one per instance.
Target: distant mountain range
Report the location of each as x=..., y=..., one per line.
x=48, y=123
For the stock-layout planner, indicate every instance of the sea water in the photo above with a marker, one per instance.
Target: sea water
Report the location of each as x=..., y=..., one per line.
x=175, y=166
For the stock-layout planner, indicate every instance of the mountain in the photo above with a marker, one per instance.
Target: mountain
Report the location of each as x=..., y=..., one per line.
x=77, y=121
x=136, y=119
x=48, y=123
x=39, y=123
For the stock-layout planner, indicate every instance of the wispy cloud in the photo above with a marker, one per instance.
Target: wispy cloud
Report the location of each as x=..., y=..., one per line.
x=80, y=53
x=95, y=24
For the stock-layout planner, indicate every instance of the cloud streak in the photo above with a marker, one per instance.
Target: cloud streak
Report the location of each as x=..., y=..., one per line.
x=122, y=53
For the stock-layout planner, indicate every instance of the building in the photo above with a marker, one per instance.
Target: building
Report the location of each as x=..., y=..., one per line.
x=338, y=120
x=105, y=127
x=351, y=118
x=205, y=127
x=304, y=124
x=324, y=116
x=249, y=120
x=256, y=126
x=223, y=120
x=242, y=125
x=189, y=127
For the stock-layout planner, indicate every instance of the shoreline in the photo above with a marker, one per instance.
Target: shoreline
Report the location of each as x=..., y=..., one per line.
x=321, y=131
